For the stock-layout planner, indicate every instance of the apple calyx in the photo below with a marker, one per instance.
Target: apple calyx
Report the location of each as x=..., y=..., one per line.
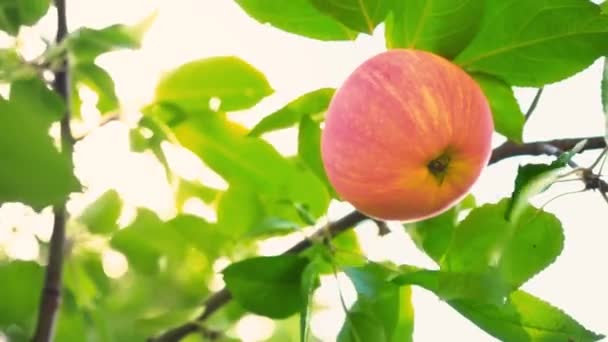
x=438, y=167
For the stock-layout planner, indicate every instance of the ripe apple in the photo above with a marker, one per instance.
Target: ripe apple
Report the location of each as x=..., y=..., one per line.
x=406, y=135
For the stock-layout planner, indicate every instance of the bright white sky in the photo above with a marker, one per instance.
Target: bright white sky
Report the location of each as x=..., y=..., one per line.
x=192, y=29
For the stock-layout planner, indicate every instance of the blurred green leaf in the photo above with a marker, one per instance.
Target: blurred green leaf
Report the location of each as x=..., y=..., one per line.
x=188, y=189
x=86, y=44
x=272, y=226
x=100, y=81
x=230, y=80
x=34, y=97
x=72, y=326
x=486, y=241
x=554, y=40
x=444, y=27
x=525, y=318
x=17, y=13
x=239, y=159
x=145, y=240
x=25, y=149
x=359, y=15
x=361, y=326
x=102, y=215
x=207, y=237
x=310, y=104
x=239, y=210
x=20, y=292
x=79, y=283
x=508, y=117
x=30, y=11
x=309, y=149
x=310, y=282
x=13, y=67
x=297, y=16
x=268, y=286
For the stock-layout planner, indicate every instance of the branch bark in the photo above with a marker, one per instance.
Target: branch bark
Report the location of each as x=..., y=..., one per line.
x=510, y=149
x=504, y=151
x=50, y=300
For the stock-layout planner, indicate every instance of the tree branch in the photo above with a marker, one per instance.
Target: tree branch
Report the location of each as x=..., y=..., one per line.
x=510, y=149
x=504, y=151
x=51, y=292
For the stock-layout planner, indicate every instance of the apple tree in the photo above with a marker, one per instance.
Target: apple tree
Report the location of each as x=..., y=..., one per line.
x=483, y=253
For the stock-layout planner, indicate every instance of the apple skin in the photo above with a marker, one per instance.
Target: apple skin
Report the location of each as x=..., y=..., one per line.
x=406, y=135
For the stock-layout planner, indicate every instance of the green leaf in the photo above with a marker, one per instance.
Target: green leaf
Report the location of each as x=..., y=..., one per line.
x=33, y=96
x=486, y=287
x=241, y=199
x=525, y=318
x=81, y=286
x=309, y=149
x=272, y=226
x=537, y=241
x=359, y=15
x=223, y=146
x=13, y=67
x=17, y=13
x=485, y=241
x=268, y=286
x=20, y=289
x=382, y=299
x=311, y=103
x=444, y=27
x=360, y=326
x=102, y=215
x=188, y=189
x=236, y=84
x=25, y=149
x=100, y=81
x=508, y=117
x=310, y=282
x=433, y=235
x=297, y=16
x=208, y=238
x=86, y=44
x=145, y=240
x=547, y=41
x=30, y=11
x=531, y=180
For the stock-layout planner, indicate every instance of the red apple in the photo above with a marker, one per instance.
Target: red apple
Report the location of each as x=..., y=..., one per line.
x=406, y=135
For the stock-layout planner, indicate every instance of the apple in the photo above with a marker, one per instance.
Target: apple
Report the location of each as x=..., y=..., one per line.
x=406, y=135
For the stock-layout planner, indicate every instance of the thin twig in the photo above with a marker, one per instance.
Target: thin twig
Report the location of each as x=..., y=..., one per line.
x=534, y=103
x=51, y=292
x=222, y=297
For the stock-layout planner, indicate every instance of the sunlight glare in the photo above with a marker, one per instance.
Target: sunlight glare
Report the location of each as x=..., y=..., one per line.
x=253, y=328
x=114, y=263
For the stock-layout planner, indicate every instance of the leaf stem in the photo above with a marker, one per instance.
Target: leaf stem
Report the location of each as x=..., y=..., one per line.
x=534, y=103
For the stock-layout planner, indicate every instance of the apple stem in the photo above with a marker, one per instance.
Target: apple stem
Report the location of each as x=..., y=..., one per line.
x=439, y=166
